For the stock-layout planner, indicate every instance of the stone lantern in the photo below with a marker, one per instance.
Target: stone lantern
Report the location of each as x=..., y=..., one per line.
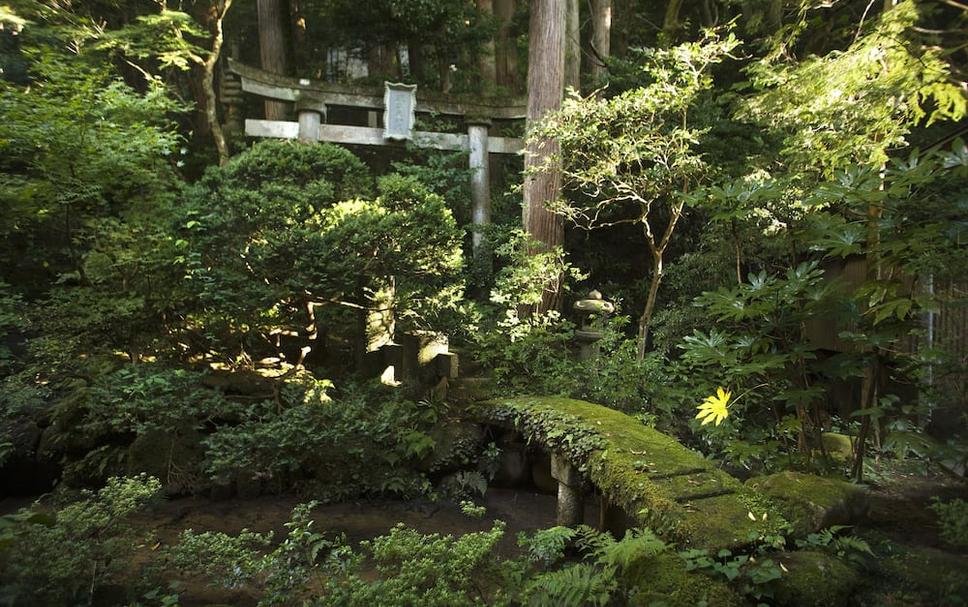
x=593, y=309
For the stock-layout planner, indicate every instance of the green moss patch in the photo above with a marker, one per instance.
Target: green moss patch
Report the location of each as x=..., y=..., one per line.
x=663, y=580
x=663, y=485
x=815, y=579
x=811, y=502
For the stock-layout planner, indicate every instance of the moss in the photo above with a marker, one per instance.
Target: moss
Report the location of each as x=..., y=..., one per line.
x=812, y=502
x=937, y=577
x=663, y=579
x=839, y=446
x=659, y=482
x=815, y=579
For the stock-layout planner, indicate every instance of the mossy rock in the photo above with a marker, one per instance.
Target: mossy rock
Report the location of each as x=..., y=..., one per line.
x=663, y=580
x=810, y=503
x=456, y=444
x=175, y=457
x=815, y=579
x=936, y=576
x=660, y=483
x=839, y=447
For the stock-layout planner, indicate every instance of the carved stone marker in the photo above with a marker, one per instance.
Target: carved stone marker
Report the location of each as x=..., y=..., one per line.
x=399, y=103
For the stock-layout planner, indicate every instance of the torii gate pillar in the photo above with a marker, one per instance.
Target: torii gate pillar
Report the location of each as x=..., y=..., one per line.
x=477, y=134
x=311, y=113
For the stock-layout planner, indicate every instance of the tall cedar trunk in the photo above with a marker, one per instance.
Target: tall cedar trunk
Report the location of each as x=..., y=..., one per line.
x=505, y=45
x=297, y=37
x=601, y=40
x=546, y=66
x=417, y=58
x=488, y=62
x=273, y=47
x=382, y=60
x=573, y=46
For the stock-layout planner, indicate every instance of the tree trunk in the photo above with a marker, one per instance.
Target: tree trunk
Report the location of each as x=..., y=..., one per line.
x=658, y=252
x=382, y=61
x=546, y=66
x=573, y=46
x=505, y=46
x=417, y=57
x=273, y=47
x=646, y=319
x=487, y=62
x=208, y=84
x=670, y=24
x=622, y=11
x=601, y=41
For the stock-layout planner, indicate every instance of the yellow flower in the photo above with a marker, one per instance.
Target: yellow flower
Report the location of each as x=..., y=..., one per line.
x=714, y=408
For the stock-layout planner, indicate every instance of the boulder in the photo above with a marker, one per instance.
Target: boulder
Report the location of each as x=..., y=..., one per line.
x=811, y=503
x=456, y=445
x=815, y=579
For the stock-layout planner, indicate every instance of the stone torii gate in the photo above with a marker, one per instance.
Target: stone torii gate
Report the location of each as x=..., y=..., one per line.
x=399, y=103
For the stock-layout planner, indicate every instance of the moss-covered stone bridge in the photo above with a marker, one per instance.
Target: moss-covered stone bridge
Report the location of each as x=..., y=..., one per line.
x=655, y=480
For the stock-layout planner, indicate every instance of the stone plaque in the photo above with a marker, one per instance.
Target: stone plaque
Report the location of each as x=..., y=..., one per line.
x=399, y=102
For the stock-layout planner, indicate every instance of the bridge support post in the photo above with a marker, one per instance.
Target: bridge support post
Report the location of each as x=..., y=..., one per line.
x=477, y=132
x=571, y=500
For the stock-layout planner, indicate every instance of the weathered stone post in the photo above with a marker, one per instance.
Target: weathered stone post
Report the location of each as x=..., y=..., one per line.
x=592, y=310
x=477, y=133
x=571, y=500
x=311, y=113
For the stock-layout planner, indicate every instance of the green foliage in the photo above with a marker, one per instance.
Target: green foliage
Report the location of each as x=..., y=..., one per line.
x=228, y=561
x=953, y=521
x=863, y=100
x=548, y=545
x=843, y=545
x=428, y=570
x=37, y=566
x=283, y=228
x=346, y=446
x=573, y=585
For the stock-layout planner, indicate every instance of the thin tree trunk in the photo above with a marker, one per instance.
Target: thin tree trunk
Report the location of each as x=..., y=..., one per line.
x=573, y=45
x=601, y=40
x=646, y=319
x=546, y=66
x=505, y=46
x=487, y=62
x=670, y=24
x=273, y=47
x=208, y=83
x=622, y=17
x=417, y=56
x=658, y=251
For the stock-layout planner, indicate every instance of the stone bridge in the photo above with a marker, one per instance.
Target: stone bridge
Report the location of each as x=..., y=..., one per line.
x=655, y=480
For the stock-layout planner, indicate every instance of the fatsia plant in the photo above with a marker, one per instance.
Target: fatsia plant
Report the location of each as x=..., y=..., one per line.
x=631, y=158
x=760, y=343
